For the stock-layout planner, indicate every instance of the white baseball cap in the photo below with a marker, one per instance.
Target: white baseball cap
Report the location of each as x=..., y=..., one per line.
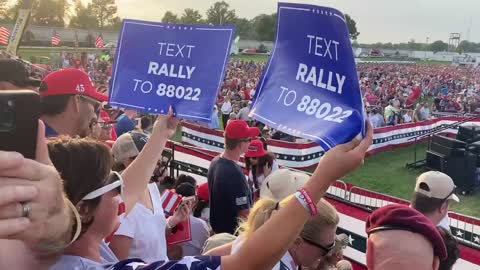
x=438, y=185
x=282, y=183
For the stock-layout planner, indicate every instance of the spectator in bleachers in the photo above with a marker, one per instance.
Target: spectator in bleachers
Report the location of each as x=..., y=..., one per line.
x=230, y=196
x=126, y=122
x=452, y=250
x=400, y=237
x=69, y=103
x=202, y=209
x=417, y=113
x=199, y=228
x=433, y=195
x=226, y=111
x=260, y=163
x=214, y=123
x=376, y=118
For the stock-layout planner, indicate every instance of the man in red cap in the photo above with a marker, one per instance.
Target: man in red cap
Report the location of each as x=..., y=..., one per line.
x=70, y=103
x=230, y=196
x=400, y=237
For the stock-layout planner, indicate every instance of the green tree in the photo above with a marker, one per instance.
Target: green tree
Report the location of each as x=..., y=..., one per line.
x=191, y=16
x=352, y=27
x=244, y=28
x=170, y=17
x=84, y=17
x=265, y=26
x=116, y=23
x=49, y=12
x=468, y=47
x=4, y=16
x=438, y=46
x=105, y=11
x=220, y=13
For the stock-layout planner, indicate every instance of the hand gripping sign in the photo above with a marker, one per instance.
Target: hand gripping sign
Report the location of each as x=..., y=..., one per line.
x=309, y=87
x=158, y=65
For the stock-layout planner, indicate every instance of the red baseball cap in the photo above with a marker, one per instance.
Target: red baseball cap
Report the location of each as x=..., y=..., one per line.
x=202, y=192
x=69, y=81
x=402, y=217
x=238, y=129
x=255, y=149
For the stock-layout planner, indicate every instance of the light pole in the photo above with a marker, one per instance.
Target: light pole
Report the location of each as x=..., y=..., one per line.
x=426, y=50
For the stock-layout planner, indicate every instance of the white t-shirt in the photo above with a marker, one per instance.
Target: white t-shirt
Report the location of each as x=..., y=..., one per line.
x=445, y=223
x=226, y=107
x=107, y=254
x=285, y=263
x=147, y=229
x=260, y=178
x=407, y=118
x=200, y=234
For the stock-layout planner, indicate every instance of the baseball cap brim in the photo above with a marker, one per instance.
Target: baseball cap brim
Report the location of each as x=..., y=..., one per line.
x=253, y=132
x=99, y=97
x=454, y=198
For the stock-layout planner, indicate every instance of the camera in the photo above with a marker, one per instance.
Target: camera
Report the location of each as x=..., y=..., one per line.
x=7, y=115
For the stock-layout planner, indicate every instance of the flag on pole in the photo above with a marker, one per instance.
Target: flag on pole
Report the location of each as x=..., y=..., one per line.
x=4, y=35
x=99, y=41
x=55, y=39
x=76, y=39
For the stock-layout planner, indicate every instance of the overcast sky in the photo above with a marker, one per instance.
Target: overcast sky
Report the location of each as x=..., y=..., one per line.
x=377, y=20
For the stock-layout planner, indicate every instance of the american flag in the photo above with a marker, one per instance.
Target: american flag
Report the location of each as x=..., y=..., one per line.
x=4, y=35
x=99, y=41
x=170, y=202
x=55, y=39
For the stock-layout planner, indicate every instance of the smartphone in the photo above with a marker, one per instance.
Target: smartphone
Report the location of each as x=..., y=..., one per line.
x=186, y=200
x=19, y=113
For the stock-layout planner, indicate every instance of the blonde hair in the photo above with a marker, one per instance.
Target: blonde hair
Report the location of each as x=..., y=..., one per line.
x=263, y=209
x=327, y=217
x=259, y=214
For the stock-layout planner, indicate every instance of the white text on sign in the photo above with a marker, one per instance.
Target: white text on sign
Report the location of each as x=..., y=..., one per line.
x=170, y=91
x=328, y=80
x=314, y=107
x=172, y=70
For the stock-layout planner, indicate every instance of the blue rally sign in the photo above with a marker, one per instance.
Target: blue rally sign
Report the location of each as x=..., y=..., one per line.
x=158, y=65
x=310, y=87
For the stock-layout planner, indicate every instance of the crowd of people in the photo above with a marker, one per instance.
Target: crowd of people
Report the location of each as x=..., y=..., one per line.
x=92, y=198
x=392, y=93
x=404, y=93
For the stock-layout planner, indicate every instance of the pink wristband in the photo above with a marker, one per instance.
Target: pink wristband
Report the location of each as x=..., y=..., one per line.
x=306, y=201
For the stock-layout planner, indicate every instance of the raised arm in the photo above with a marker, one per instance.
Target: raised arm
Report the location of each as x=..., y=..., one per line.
x=267, y=245
x=137, y=175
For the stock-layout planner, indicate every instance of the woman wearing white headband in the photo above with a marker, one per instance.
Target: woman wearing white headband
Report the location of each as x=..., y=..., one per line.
x=261, y=251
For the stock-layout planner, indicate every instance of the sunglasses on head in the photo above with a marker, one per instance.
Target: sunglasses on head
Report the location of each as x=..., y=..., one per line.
x=116, y=183
x=326, y=249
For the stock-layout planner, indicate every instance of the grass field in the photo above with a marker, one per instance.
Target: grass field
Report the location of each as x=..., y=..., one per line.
x=386, y=173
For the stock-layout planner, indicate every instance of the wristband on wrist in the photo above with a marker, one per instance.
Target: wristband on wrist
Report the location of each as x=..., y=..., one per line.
x=304, y=198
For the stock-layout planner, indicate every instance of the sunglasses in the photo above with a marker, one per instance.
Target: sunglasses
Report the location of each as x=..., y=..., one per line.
x=116, y=183
x=95, y=103
x=326, y=249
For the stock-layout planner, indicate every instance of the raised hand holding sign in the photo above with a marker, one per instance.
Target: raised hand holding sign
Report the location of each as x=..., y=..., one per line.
x=158, y=65
x=310, y=87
